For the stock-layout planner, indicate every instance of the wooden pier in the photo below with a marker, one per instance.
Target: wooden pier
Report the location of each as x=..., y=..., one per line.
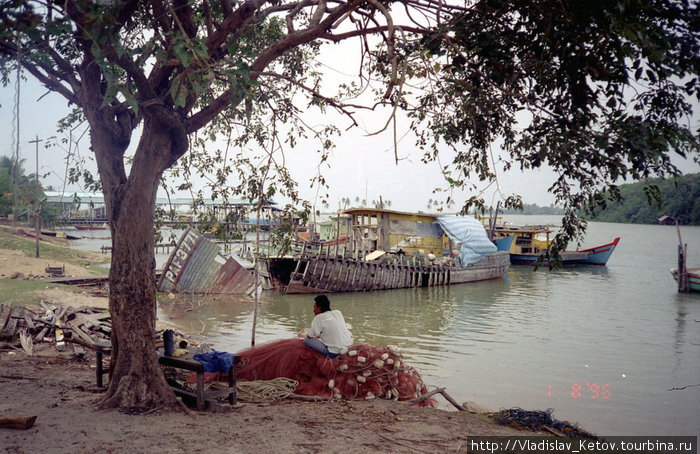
x=163, y=248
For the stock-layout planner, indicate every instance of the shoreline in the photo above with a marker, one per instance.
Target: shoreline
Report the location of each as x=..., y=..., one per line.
x=60, y=390
x=61, y=393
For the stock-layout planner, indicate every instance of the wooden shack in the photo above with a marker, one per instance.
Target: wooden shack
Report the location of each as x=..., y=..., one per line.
x=666, y=220
x=374, y=229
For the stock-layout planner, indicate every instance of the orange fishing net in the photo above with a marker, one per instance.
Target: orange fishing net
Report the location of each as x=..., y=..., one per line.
x=364, y=372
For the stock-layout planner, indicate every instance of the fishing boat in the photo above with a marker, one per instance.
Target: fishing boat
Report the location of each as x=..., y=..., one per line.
x=528, y=243
x=390, y=249
x=693, y=278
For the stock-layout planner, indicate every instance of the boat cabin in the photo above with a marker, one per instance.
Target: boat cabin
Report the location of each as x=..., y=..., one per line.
x=530, y=239
x=373, y=229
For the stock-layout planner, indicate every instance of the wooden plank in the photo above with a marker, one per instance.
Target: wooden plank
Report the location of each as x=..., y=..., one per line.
x=339, y=280
x=12, y=322
x=40, y=337
x=101, y=316
x=381, y=276
x=313, y=273
x=310, y=276
x=329, y=281
x=78, y=349
x=82, y=334
x=362, y=281
x=5, y=314
x=323, y=270
x=355, y=267
x=62, y=314
x=17, y=422
x=29, y=321
x=377, y=277
x=85, y=321
x=333, y=278
x=191, y=365
x=348, y=267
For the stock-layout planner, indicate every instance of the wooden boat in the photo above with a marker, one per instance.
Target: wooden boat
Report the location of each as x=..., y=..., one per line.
x=320, y=274
x=91, y=227
x=693, y=278
x=528, y=243
x=389, y=251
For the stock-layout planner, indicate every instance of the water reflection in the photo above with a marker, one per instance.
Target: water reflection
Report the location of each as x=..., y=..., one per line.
x=523, y=340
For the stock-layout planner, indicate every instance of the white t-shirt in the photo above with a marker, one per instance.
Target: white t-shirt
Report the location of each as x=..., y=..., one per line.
x=330, y=328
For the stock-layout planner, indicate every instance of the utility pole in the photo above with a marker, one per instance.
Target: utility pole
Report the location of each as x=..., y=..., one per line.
x=15, y=211
x=37, y=207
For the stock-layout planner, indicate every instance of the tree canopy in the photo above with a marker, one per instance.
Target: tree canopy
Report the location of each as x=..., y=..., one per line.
x=598, y=90
x=680, y=199
x=602, y=92
x=25, y=186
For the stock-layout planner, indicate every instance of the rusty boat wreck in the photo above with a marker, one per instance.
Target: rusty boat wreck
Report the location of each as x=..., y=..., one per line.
x=384, y=249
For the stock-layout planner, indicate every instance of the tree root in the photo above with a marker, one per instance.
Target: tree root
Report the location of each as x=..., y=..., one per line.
x=437, y=391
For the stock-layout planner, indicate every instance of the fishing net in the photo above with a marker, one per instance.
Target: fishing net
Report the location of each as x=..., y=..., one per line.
x=537, y=420
x=364, y=372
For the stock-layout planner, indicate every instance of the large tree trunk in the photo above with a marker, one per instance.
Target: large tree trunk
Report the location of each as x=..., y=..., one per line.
x=136, y=378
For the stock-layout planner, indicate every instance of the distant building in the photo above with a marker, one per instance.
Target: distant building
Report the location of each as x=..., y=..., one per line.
x=328, y=230
x=90, y=206
x=666, y=220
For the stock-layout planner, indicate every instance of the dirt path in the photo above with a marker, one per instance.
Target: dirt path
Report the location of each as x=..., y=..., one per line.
x=60, y=392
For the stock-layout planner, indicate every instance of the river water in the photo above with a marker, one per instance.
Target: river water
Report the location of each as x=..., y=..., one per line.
x=614, y=349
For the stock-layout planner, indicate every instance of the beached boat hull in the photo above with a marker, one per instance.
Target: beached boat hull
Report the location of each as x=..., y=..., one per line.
x=319, y=274
x=693, y=278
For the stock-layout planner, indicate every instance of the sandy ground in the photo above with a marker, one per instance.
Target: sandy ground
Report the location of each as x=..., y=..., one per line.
x=16, y=264
x=60, y=390
x=13, y=262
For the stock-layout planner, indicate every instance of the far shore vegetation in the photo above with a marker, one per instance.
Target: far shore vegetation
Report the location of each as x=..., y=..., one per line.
x=680, y=199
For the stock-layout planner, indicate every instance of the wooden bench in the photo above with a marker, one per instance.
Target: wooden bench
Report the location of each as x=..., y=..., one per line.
x=202, y=399
x=55, y=271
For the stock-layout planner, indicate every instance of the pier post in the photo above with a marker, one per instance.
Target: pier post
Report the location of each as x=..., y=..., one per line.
x=682, y=270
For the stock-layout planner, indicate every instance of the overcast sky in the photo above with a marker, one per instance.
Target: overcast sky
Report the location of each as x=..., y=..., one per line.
x=360, y=166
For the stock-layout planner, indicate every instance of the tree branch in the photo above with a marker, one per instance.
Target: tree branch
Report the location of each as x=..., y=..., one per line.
x=370, y=31
x=341, y=107
x=232, y=22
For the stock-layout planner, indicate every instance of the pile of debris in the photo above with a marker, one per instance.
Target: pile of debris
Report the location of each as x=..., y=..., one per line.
x=70, y=328
x=537, y=421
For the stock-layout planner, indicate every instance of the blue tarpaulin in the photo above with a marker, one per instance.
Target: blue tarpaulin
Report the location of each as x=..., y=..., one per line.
x=215, y=361
x=471, y=233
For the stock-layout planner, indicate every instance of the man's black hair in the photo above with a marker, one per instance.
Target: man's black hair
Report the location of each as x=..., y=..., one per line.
x=323, y=303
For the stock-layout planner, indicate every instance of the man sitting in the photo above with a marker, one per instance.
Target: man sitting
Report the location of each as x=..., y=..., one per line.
x=328, y=334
